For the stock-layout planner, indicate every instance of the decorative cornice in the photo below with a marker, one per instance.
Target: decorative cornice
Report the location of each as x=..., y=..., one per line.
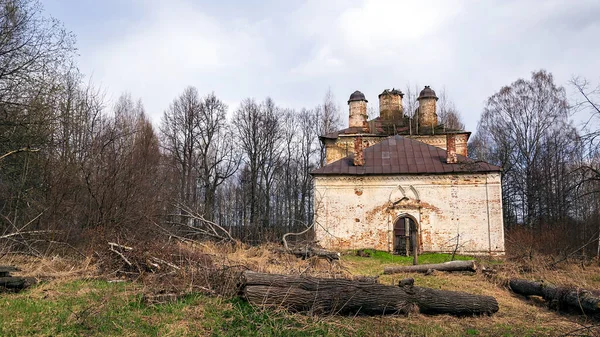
x=357, y=179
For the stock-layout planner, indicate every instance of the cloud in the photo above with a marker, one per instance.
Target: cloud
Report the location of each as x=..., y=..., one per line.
x=294, y=51
x=323, y=62
x=175, y=44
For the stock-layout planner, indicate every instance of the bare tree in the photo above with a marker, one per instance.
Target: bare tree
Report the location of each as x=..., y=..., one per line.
x=271, y=155
x=180, y=138
x=249, y=125
x=589, y=101
x=449, y=116
x=217, y=154
x=328, y=117
x=35, y=52
x=516, y=123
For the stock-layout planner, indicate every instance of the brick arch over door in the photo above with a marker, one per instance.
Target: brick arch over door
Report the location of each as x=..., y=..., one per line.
x=406, y=235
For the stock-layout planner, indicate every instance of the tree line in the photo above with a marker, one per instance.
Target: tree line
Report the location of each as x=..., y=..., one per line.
x=551, y=181
x=75, y=170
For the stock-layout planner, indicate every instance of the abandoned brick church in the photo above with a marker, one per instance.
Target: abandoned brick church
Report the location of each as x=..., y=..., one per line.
x=403, y=183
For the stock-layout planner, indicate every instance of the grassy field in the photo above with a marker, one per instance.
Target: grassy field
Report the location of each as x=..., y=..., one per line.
x=73, y=302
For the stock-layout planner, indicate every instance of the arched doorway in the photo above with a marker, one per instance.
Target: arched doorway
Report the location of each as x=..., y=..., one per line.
x=405, y=235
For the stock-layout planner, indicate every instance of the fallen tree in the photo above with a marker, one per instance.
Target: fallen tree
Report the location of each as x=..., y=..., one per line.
x=12, y=283
x=341, y=296
x=424, y=268
x=562, y=298
x=310, y=251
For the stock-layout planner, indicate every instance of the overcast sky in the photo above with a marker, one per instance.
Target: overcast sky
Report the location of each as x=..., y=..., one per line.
x=293, y=51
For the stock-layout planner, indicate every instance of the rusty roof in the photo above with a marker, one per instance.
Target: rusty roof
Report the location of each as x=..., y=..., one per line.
x=357, y=96
x=400, y=155
x=427, y=92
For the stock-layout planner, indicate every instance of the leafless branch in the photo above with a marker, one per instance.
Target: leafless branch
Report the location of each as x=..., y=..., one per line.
x=25, y=149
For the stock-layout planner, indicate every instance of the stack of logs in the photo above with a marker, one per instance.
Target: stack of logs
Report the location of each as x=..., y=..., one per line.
x=11, y=283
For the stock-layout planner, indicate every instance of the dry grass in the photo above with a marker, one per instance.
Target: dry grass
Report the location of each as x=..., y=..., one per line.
x=516, y=317
x=267, y=260
x=52, y=267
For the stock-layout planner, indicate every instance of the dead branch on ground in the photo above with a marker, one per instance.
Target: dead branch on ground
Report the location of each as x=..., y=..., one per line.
x=307, y=250
x=194, y=224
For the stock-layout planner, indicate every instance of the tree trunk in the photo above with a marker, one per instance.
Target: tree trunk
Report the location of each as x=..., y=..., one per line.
x=446, y=266
x=12, y=282
x=341, y=296
x=308, y=251
x=5, y=270
x=564, y=298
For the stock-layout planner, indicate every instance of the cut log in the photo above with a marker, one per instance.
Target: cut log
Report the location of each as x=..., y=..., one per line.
x=6, y=270
x=563, y=298
x=406, y=282
x=309, y=251
x=341, y=296
x=424, y=268
x=12, y=282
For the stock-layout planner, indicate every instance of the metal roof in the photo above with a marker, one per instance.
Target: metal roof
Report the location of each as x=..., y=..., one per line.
x=427, y=92
x=357, y=96
x=400, y=155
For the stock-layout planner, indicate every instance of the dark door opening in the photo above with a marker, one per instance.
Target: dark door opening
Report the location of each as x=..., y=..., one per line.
x=405, y=235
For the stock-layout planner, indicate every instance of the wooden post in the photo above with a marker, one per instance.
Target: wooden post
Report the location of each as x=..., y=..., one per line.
x=415, y=247
x=407, y=235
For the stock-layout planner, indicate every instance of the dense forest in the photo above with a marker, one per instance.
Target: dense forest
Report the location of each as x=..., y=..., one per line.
x=75, y=170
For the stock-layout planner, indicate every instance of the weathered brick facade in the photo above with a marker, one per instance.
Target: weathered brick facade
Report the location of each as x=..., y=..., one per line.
x=390, y=105
x=451, y=201
x=354, y=212
x=427, y=114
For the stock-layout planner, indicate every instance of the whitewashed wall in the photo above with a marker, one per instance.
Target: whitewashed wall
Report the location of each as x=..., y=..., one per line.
x=359, y=212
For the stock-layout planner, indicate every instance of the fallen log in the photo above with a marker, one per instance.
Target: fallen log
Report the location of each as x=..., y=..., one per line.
x=12, y=282
x=6, y=270
x=310, y=251
x=424, y=268
x=562, y=298
x=341, y=296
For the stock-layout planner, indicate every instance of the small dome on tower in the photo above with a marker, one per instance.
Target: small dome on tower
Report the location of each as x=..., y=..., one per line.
x=357, y=96
x=427, y=92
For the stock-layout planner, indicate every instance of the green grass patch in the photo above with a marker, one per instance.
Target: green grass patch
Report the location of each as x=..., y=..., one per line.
x=94, y=308
x=99, y=308
x=374, y=264
x=385, y=257
x=238, y=318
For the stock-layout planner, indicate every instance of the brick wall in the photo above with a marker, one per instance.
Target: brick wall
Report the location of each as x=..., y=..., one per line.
x=390, y=107
x=359, y=212
x=427, y=113
x=358, y=114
